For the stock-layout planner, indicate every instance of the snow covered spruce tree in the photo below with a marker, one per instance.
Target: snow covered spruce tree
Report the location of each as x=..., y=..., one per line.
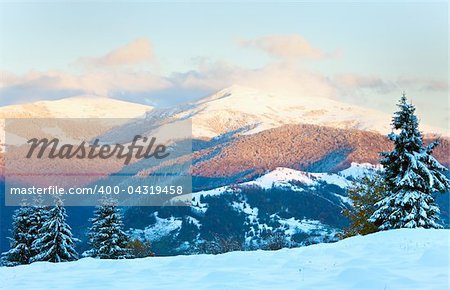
x=20, y=240
x=27, y=220
x=106, y=235
x=55, y=242
x=411, y=175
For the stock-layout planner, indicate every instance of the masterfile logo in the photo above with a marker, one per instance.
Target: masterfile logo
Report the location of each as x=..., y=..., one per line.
x=97, y=150
x=82, y=160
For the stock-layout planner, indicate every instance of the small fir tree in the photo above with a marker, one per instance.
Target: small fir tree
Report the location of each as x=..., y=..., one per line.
x=106, y=235
x=55, y=242
x=363, y=193
x=140, y=249
x=411, y=176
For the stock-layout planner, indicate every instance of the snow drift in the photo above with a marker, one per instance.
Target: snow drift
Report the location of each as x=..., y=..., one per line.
x=398, y=259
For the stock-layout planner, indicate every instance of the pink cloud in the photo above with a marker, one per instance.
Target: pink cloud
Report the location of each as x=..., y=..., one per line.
x=136, y=52
x=288, y=47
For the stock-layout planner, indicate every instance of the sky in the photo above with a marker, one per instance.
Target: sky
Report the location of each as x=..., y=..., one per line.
x=162, y=54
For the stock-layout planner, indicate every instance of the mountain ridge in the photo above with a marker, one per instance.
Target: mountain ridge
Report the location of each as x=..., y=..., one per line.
x=232, y=110
x=251, y=111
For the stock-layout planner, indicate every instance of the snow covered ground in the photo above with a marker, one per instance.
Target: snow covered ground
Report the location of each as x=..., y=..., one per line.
x=400, y=259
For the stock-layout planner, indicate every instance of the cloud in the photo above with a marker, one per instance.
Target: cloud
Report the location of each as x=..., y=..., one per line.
x=109, y=75
x=139, y=51
x=375, y=84
x=350, y=81
x=288, y=47
x=425, y=85
x=436, y=86
x=115, y=75
x=37, y=85
x=280, y=78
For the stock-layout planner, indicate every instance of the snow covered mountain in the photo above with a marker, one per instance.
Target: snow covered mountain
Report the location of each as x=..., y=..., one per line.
x=295, y=180
x=304, y=206
x=84, y=106
x=396, y=259
x=247, y=110
x=232, y=110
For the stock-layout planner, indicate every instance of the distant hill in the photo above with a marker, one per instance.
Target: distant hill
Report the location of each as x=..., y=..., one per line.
x=302, y=147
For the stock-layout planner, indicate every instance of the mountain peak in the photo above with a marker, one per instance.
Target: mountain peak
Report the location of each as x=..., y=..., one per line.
x=229, y=92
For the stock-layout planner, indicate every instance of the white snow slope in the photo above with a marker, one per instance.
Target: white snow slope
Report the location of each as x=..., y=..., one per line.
x=236, y=107
x=284, y=177
x=400, y=259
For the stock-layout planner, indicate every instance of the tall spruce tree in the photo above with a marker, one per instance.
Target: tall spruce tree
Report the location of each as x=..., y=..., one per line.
x=106, y=236
x=411, y=175
x=55, y=242
x=20, y=240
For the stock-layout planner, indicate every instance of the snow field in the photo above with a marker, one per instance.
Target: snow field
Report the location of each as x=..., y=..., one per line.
x=399, y=259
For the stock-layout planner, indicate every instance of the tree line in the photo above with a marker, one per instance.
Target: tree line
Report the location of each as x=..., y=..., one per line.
x=41, y=233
